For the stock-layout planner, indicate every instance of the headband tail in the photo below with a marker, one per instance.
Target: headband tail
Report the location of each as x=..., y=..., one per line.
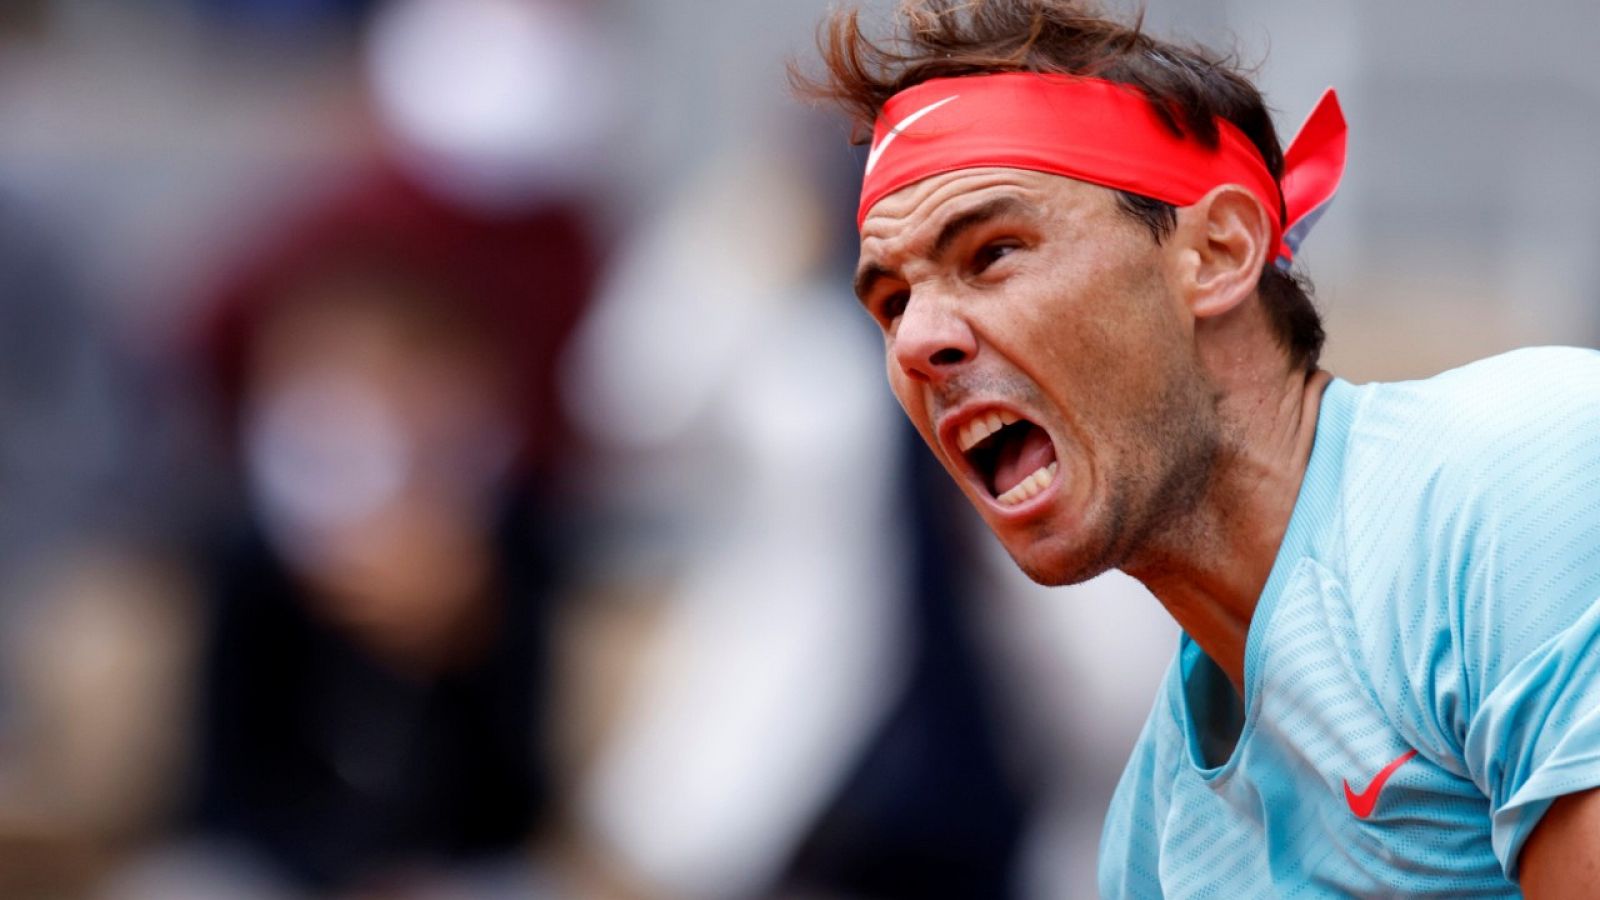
x=1312, y=168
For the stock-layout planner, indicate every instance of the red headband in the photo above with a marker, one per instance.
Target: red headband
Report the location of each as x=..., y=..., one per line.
x=1101, y=132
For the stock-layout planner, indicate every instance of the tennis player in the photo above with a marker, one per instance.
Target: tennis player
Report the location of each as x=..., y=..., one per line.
x=1078, y=242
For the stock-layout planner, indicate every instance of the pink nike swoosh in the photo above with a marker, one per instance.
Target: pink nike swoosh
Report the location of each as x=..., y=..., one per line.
x=1363, y=803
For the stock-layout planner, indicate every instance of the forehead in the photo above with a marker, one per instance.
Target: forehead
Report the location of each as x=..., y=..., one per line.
x=910, y=217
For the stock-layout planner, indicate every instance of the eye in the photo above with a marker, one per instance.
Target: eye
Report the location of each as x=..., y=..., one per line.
x=991, y=253
x=893, y=305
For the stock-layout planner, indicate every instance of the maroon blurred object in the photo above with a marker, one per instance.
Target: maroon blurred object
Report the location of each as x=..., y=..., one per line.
x=524, y=276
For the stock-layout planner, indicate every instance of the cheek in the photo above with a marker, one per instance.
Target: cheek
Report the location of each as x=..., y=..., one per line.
x=912, y=398
x=1059, y=352
x=1105, y=333
x=905, y=390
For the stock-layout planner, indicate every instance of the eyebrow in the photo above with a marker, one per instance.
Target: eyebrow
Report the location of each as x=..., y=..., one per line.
x=870, y=274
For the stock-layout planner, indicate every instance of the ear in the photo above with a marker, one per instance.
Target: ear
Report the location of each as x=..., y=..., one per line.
x=1224, y=237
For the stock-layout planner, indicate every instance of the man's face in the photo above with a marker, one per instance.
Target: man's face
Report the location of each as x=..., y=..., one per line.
x=1031, y=302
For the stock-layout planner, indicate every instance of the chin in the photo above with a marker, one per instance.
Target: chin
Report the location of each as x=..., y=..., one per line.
x=1051, y=565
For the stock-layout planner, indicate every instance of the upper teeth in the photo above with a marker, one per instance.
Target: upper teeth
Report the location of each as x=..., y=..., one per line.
x=973, y=433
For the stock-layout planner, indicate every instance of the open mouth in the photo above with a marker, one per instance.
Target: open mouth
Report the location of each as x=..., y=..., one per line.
x=1014, y=458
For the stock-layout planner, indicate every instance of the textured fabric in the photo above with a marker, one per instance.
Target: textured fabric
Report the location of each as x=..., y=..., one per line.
x=1436, y=591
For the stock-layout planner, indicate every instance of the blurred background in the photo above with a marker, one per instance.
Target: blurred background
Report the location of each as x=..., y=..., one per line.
x=440, y=455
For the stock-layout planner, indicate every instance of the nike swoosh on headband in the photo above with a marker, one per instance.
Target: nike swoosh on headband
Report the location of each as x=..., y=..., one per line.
x=876, y=152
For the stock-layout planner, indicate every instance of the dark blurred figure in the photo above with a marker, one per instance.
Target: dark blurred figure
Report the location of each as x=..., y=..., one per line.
x=377, y=681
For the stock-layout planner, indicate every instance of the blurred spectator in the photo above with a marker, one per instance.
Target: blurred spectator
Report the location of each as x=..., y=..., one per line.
x=814, y=714
x=87, y=645
x=377, y=672
x=60, y=434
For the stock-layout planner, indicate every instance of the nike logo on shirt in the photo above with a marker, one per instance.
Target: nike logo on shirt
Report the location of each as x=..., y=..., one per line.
x=894, y=132
x=1363, y=803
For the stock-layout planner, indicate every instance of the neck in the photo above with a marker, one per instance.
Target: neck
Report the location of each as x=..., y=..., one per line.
x=1209, y=571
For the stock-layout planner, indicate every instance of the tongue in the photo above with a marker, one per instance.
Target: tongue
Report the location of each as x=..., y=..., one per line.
x=1020, y=457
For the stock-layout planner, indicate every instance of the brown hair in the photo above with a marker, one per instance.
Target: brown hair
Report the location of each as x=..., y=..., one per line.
x=1189, y=87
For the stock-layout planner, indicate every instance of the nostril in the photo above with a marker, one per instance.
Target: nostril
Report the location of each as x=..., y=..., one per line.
x=949, y=356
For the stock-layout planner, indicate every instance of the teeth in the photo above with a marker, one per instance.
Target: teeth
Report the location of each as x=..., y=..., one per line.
x=973, y=433
x=1030, y=486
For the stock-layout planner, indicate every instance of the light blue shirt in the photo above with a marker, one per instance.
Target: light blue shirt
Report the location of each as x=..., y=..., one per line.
x=1436, y=592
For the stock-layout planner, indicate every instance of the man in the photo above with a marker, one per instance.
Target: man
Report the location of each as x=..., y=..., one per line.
x=1076, y=240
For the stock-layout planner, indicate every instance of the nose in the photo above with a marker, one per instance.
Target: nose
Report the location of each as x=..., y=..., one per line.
x=932, y=340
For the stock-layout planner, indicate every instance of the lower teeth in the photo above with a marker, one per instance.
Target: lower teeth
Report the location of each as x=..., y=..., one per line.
x=1030, y=486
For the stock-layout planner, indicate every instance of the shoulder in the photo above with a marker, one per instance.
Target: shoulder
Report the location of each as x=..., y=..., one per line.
x=1489, y=399
x=1500, y=449
x=1469, y=505
x=1494, y=429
